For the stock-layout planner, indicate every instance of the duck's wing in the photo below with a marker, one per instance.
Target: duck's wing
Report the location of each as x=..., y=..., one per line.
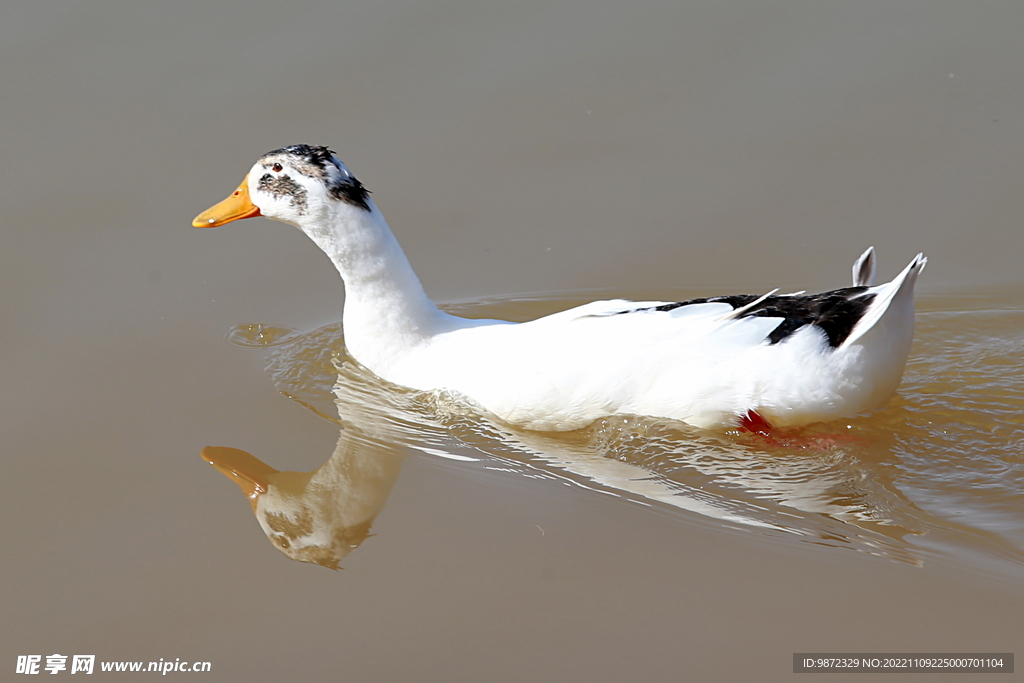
x=836, y=313
x=843, y=315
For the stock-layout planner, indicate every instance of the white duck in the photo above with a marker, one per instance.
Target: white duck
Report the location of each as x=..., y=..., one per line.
x=743, y=360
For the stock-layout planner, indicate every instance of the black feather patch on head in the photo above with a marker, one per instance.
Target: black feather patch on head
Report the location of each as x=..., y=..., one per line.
x=284, y=186
x=308, y=160
x=314, y=162
x=351, y=191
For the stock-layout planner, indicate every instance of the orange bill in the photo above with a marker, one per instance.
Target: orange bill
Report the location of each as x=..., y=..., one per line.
x=235, y=207
x=250, y=473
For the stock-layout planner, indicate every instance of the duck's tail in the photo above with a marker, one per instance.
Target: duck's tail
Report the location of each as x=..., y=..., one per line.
x=864, y=269
x=891, y=314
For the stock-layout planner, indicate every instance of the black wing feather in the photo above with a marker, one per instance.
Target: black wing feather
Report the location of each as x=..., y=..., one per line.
x=835, y=313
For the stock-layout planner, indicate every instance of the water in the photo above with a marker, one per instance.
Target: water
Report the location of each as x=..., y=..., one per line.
x=651, y=149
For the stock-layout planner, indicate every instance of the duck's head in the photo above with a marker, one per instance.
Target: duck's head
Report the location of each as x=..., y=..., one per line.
x=296, y=184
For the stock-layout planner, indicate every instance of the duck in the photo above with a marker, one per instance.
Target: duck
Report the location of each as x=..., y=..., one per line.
x=755, y=362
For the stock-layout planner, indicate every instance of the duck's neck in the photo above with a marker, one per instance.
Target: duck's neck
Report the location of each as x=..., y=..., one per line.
x=386, y=309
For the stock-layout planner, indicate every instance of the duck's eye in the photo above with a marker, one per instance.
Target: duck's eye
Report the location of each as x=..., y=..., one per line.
x=277, y=168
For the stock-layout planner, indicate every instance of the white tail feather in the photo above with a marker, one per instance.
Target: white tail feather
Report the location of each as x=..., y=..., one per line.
x=864, y=269
x=900, y=289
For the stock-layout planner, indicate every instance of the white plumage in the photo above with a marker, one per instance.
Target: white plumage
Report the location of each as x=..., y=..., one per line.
x=787, y=360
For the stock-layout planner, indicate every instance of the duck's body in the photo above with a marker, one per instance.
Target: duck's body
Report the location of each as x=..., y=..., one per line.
x=790, y=360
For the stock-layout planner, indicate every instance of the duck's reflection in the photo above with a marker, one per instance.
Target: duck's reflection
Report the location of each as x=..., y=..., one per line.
x=814, y=487
x=319, y=516
x=826, y=489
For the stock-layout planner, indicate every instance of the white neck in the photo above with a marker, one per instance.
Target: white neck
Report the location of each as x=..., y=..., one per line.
x=386, y=310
